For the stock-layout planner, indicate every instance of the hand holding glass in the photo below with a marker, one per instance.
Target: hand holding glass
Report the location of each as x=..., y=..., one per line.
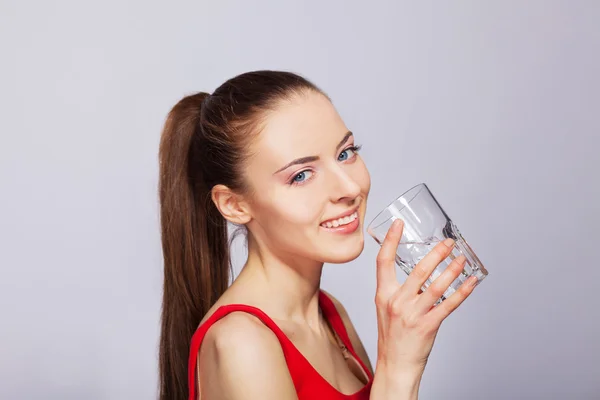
x=425, y=224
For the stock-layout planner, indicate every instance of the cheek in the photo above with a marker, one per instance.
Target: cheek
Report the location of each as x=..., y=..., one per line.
x=298, y=210
x=286, y=212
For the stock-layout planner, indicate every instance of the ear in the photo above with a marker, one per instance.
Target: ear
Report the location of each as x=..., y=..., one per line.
x=231, y=205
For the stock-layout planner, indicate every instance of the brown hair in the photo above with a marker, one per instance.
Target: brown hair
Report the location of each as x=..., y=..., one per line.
x=204, y=143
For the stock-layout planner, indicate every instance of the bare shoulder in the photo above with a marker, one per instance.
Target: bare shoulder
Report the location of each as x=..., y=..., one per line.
x=242, y=358
x=352, y=334
x=238, y=325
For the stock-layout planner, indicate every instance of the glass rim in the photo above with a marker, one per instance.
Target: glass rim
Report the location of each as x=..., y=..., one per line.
x=372, y=226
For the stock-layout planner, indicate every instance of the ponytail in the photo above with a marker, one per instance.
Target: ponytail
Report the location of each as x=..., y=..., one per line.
x=197, y=267
x=204, y=143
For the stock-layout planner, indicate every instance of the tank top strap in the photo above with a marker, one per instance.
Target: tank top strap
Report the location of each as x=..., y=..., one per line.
x=333, y=316
x=335, y=320
x=287, y=346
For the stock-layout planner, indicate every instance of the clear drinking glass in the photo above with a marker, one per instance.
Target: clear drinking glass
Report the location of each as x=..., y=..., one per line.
x=425, y=224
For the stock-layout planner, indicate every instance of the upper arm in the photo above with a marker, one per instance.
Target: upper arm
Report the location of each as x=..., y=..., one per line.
x=352, y=334
x=240, y=358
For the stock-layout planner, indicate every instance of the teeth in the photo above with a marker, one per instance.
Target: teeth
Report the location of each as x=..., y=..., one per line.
x=340, y=221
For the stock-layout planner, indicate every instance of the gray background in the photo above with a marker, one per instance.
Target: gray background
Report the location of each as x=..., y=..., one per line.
x=494, y=104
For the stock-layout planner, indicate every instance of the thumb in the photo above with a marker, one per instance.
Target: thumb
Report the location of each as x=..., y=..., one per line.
x=386, y=258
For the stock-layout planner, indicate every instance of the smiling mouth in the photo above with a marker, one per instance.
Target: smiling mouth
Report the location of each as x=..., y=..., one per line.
x=340, y=221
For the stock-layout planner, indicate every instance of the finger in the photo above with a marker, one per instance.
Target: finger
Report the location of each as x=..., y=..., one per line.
x=446, y=307
x=425, y=267
x=441, y=284
x=386, y=258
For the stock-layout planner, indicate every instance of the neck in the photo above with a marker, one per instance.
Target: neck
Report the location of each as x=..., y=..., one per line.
x=288, y=287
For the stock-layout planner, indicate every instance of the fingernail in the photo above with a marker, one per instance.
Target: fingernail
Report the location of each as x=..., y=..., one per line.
x=397, y=224
x=449, y=242
x=472, y=281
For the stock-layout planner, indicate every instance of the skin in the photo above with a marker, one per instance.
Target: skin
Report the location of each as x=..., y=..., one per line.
x=287, y=248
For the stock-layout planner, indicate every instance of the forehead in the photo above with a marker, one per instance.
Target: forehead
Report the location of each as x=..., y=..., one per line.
x=305, y=125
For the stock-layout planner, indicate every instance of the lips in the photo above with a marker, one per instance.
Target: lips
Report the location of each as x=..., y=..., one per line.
x=342, y=219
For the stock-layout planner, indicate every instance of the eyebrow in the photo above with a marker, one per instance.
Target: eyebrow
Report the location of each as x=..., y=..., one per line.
x=304, y=160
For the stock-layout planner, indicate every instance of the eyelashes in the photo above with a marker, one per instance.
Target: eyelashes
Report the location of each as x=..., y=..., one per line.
x=301, y=177
x=295, y=180
x=355, y=149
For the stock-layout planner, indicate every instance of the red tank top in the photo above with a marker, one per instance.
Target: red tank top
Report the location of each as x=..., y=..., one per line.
x=307, y=381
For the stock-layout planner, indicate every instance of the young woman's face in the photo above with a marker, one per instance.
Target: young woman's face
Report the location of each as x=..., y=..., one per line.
x=309, y=184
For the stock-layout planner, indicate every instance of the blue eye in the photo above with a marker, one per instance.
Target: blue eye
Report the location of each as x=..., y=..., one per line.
x=344, y=154
x=301, y=177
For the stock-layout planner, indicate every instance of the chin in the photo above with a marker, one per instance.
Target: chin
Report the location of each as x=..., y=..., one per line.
x=344, y=254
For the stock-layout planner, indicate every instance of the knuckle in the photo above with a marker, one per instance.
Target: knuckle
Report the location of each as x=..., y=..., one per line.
x=441, y=250
x=396, y=308
x=454, y=301
x=381, y=258
x=455, y=271
x=413, y=321
x=451, y=303
x=419, y=272
x=437, y=289
x=466, y=289
x=380, y=299
x=459, y=262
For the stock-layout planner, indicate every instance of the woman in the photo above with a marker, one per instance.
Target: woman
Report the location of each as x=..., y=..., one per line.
x=268, y=152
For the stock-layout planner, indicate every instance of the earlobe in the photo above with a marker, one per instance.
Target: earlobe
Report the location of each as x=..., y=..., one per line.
x=231, y=205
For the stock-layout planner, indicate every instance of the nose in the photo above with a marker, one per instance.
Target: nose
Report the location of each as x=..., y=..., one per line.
x=343, y=187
